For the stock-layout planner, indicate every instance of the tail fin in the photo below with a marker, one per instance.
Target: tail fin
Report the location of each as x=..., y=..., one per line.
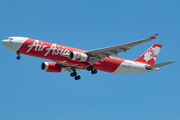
x=150, y=56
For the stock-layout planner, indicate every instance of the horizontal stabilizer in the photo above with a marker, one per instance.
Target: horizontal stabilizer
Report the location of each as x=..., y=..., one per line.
x=159, y=65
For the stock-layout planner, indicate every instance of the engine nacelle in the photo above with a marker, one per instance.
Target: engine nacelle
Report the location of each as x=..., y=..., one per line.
x=78, y=56
x=50, y=67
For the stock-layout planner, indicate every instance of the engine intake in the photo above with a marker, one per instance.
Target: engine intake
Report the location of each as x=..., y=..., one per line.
x=78, y=56
x=50, y=67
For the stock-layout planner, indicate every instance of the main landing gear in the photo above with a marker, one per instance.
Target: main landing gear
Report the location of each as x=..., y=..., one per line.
x=77, y=77
x=18, y=57
x=92, y=69
x=74, y=74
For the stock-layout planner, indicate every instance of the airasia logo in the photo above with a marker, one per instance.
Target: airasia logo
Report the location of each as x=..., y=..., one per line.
x=78, y=56
x=152, y=53
x=54, y=49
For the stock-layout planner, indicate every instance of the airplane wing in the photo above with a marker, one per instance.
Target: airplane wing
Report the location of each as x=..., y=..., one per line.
x=98, y=54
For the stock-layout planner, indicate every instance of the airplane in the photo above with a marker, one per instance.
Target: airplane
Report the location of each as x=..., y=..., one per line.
x=72, y=59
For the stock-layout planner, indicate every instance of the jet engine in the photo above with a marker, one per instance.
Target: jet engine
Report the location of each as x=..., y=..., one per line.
x=50, y=67
x=78, y=56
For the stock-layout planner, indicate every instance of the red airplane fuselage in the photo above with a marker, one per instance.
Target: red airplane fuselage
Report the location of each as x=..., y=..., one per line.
x=57, y=52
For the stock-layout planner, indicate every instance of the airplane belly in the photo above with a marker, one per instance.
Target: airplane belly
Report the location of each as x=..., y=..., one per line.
x=108, y=64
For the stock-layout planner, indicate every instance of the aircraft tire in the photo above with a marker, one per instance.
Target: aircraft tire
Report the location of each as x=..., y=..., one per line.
x=77, y=77
x=90, y=68
x=18, y=57
x=73, y=74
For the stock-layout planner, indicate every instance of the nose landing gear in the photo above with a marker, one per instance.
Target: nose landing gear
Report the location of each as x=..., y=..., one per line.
x=18, y=57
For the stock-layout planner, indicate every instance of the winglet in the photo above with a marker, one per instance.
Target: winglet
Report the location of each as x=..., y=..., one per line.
x=154, y=36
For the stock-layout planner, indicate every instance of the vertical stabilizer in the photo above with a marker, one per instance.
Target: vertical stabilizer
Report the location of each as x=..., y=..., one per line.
x=150, y=56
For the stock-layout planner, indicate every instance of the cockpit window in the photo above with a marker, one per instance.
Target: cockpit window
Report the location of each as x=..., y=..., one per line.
x=9, y=38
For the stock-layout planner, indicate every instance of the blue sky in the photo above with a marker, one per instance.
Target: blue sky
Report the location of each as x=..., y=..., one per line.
x=27, y=92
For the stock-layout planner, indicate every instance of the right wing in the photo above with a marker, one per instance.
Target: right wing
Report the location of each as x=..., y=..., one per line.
x=98, y=54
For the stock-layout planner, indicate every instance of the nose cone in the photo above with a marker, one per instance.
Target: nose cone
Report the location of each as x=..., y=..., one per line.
x=5, y=42
x=14, y=43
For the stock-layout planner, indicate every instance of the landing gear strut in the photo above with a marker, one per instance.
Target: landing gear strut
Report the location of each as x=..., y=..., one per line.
x=92, y=69
x=74, y=74
x=18, y=57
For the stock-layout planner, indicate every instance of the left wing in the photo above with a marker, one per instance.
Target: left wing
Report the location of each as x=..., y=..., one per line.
x=98, y=54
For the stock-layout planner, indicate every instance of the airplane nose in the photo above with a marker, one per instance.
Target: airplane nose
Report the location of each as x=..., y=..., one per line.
x=14, y=43
x=8, y=43
x=5, y=42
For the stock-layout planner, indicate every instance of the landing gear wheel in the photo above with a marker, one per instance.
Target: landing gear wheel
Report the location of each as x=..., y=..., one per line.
x=94, y=71
x=90, y=68
x=18, y=57
x=73, y=74
x=77, y=77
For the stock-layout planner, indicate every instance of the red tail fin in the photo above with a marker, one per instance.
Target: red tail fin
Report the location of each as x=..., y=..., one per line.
x=150, y=56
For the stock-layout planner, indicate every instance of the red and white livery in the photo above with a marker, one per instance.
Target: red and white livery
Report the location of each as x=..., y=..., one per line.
x=72, y=59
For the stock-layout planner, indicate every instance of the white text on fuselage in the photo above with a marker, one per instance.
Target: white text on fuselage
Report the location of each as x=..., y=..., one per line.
x=54, y=48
